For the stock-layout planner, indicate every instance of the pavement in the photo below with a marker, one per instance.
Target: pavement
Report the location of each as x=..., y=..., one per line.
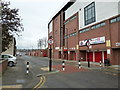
x=113, y=69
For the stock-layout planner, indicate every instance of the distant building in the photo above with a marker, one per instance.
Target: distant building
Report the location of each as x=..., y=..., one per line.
x=38, y=52
x=76, y=22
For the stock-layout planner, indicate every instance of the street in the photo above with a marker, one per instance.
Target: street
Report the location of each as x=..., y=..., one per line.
x=40, y=77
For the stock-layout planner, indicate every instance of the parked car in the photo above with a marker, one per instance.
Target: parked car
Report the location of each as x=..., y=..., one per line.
x=11, y=59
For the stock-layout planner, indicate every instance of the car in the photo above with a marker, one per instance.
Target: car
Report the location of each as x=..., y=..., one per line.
x=11, y=59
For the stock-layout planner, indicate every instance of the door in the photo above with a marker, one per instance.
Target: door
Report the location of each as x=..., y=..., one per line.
x=75, y=56
x=98, y=56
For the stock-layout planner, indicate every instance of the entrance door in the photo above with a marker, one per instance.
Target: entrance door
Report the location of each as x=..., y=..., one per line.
x=90, y=55
x=98, y=56
x=75, y=56
x=59, y=55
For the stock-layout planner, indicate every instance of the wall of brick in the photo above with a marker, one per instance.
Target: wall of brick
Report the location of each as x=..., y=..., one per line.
x=3, y=66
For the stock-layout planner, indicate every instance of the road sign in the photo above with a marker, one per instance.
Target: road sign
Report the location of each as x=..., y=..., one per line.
x=50, y=41
x=88, y=43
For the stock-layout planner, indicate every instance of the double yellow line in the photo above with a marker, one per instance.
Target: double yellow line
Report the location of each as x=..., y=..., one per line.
x=40, y=84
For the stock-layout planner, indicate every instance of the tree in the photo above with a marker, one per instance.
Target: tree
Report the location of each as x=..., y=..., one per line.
x=45, y=42
x=40, y=43
x=11, y=24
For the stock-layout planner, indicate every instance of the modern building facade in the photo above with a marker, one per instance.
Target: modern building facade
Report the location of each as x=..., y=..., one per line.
x=80, y=23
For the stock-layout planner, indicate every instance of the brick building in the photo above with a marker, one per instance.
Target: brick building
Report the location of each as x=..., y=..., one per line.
x=38, y=52
x=78, y=22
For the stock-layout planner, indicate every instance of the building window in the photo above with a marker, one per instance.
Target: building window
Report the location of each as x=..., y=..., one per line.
x=73, y=34
x=93, y=27
x=117, y=19
x=89, y=13
x=113, y=20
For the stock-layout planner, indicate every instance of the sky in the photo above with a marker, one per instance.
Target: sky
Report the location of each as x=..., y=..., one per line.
x=35, y=14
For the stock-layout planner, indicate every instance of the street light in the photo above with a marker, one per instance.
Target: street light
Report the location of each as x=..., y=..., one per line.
x=50, y=42
x=88, y=45
x=67, y=42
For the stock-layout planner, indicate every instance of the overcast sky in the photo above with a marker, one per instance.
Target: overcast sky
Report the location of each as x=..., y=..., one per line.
x=35, y=14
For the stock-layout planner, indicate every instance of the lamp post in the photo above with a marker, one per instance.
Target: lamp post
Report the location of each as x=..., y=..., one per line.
x=67, y=42
x=50, y=61
x=50, y=53
x=88, y=45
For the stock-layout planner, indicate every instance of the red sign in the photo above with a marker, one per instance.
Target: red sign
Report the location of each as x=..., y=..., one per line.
x=50, y=41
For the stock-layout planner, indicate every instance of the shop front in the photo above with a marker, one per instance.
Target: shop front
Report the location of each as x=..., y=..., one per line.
x=96, y=51
x=96, y=56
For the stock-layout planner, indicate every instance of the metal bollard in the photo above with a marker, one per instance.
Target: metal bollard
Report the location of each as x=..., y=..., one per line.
x=79, y=64
x=63, y=65
x=100, y=64
x=27, y=68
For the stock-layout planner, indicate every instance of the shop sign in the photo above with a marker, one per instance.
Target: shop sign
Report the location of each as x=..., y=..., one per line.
x=68, y=52
x=108, y=51
x=108, y=43
x=97, y=40
x=57, y=48
x=65, y=49
x=77, y=47
x=118, y=44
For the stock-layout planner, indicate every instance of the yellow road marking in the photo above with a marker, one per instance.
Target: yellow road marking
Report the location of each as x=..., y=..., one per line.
x=42, y=82
x=38, y=83
x=11, y=86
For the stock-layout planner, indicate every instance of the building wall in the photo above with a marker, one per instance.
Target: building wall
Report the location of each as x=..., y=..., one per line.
x=102, y=27
x=56, y=37
x=100, y=8
x=50, y=26
x=40, y=53
x=115, y=37
x=70, y=28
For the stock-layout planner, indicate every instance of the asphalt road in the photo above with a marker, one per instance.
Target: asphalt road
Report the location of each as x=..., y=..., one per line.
x=16, y=76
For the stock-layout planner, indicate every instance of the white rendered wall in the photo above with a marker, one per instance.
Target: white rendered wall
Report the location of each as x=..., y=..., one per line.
x=51, y=26
x=104, y=10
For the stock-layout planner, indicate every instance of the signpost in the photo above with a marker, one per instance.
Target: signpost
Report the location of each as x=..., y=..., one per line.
x=88, y=46
x=50, y=42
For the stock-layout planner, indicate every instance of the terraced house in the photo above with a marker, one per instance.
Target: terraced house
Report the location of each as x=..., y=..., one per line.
x=79, y=22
